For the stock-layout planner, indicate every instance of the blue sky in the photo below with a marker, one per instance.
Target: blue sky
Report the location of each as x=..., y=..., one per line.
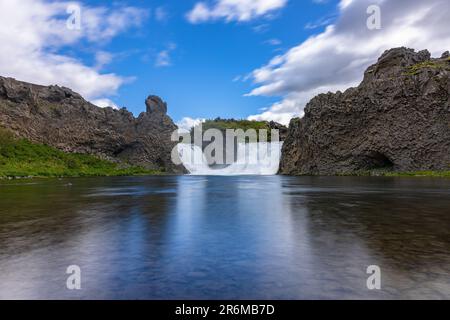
x=204, y=58
x=256, y=59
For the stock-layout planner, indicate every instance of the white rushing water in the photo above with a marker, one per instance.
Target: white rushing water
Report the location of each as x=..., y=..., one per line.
x=252, y=159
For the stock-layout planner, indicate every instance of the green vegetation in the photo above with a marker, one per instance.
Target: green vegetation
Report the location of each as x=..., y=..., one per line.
x=433, y=174
x=417, y=68
x=388, y=173
x=224, y=124
x=22, y=158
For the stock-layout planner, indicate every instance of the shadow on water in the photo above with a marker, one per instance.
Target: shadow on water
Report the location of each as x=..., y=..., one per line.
x=247, y=237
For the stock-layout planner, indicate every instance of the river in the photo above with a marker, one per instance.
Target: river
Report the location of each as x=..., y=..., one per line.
x=240, y=237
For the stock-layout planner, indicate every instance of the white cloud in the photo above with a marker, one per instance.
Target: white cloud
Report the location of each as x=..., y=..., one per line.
x=273, y=42
x=261, y=28
x=233, y=10
x=102, y=58
x=336, y=58
x=161, y=14
x=186, y=124
x=105, y=103
x=163, y=58
x=32, y=33
x=324, y=21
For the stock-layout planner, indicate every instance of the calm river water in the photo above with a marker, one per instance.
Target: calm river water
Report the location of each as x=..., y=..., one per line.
x=250, y=237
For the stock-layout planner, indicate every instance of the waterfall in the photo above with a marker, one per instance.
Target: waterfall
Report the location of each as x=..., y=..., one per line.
x=261, y=158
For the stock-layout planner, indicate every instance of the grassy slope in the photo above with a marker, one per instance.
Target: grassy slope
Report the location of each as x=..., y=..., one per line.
x=21, y=158
x=435, y=174
x=224, y=124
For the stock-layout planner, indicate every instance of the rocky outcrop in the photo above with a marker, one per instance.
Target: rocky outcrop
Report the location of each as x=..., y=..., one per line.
x=282, y=130
x=61, y=118
x=154, y=105
x=397, y=119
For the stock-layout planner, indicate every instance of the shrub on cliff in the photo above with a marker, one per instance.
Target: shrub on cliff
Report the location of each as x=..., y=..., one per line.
x=233, y=124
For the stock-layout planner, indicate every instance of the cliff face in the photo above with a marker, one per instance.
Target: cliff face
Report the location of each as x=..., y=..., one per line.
x=61, y=118
x=398, y=118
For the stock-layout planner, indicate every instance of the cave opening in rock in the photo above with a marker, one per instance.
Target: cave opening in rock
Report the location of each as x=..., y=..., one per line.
x=375, y=160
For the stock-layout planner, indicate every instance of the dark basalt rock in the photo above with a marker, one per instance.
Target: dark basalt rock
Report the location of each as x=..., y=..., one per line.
x=397, y=119
x=282, y=130
x=61, y=118
x=155, y=105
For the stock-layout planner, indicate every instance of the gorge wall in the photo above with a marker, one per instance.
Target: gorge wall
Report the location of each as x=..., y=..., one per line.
x=61, y=118
x=397, y=119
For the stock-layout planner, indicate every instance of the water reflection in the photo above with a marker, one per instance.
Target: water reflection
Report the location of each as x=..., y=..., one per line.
x=225, y=237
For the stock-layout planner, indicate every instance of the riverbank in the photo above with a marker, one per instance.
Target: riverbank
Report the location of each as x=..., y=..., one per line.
x=418, y=174
x=432, y=174
x=20, y=158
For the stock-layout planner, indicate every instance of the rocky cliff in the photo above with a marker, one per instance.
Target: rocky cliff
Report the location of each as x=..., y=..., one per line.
x=61, y=118
x=397, y=119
